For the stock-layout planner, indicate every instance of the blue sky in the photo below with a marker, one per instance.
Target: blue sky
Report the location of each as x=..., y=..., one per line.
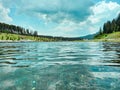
x=72, y=18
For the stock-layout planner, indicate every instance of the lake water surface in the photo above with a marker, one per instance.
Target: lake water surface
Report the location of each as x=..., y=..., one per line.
x=60, y=66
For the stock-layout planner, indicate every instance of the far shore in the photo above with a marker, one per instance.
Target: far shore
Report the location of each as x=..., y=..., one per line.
x=94, y=40
x=107, y=40
x=10, y=41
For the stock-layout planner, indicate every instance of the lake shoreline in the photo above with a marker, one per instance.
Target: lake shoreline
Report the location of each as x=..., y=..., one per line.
x=12, y=41
x=106, y=40
x=94, y=40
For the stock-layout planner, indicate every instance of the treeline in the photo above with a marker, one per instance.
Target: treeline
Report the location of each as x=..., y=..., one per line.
x=110, y=26
x=12, y=29
x=17, y=30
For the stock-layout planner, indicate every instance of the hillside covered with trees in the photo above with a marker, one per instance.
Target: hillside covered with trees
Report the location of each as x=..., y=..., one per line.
x=16, y=33
x=12, y=29
x=109, y=27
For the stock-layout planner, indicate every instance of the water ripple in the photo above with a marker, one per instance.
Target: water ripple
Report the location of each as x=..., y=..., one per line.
x=60, y=66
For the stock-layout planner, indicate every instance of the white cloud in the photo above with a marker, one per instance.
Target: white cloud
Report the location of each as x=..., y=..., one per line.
x=101, y=12
x=104, y=11
x=53, y=10
x=79, y=17
x=4, y=14
x=59, y=10
x=66, y=26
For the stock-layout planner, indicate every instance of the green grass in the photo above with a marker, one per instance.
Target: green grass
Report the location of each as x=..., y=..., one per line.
x=113, y=37
x=15, y=37
x=5, y=36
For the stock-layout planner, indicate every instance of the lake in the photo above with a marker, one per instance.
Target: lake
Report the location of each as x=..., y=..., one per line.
x=60, y=66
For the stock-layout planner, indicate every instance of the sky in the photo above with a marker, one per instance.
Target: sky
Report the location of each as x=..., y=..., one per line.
x=68, y=18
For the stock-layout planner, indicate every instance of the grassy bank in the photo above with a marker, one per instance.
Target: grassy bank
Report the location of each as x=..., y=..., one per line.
x=113, y=37
x=15, y=37
x=6, y=37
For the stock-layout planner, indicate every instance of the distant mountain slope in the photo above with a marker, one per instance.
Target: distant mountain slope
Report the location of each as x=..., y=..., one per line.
x=90, y=36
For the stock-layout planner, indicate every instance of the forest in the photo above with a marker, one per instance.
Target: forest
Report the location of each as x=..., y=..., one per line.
x=13, y=32
x=110, y=27
x=6, y=28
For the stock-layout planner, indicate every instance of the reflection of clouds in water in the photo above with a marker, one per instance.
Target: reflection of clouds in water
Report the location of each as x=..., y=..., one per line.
x=52, y=86
x=53, y=77
x=111, y=52
x=103, y=75
x=7, y=70
x=72, y=78
x=7, y=83
x=47, y=63
x=6, y=79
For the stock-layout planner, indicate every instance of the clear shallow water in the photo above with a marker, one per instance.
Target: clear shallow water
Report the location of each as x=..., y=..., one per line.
x=60, y=66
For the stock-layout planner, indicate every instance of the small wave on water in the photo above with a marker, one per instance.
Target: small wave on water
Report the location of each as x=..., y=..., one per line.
x=60, y=66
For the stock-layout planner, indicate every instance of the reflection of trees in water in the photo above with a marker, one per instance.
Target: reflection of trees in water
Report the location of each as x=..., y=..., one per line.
x=15, y=51
x=109, y=48
x=7, y=50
